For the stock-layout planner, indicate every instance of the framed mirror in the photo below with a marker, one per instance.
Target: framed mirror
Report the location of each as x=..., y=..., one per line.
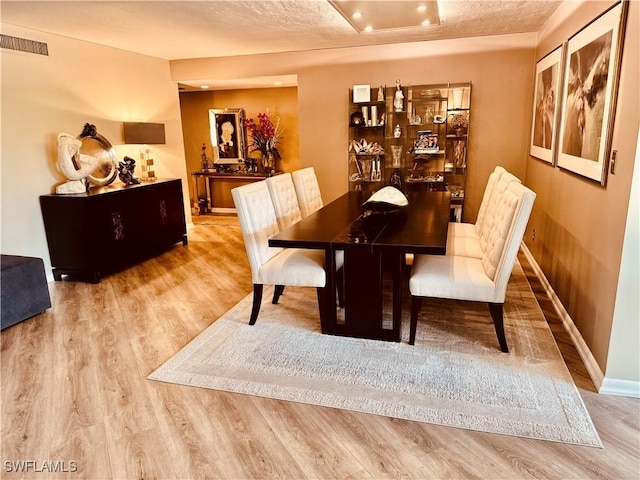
x=227, y=134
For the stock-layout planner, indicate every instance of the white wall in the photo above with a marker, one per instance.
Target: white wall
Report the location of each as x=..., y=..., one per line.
x=77, y=83
x=623, y=363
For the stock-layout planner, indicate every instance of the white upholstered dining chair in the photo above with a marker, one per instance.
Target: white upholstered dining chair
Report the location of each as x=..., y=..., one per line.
x=481, y=279
x=465, y=238
x=273, y=265
x=307, y=190
x=284, y=199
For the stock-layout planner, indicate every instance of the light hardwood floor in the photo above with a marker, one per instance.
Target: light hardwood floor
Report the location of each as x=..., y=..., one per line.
x=74, y=389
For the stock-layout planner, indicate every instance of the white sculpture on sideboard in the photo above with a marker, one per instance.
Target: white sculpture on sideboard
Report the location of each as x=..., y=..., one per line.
x=68, y=157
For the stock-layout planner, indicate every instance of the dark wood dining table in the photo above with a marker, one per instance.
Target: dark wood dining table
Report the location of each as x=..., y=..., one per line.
x=374, y=246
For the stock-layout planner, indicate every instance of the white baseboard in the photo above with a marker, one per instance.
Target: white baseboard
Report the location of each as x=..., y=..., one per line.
x=583, y=350
x=620, y=388
x=223, y=210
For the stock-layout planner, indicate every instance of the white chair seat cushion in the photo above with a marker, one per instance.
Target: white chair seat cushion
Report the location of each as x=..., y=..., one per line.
x=296, y=267
x=462, y=230
x=446, y=276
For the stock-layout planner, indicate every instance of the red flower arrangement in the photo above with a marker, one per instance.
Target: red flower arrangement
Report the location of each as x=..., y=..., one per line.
x=264, y=135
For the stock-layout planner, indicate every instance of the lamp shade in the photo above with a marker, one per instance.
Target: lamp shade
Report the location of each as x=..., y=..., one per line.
x=143, y=133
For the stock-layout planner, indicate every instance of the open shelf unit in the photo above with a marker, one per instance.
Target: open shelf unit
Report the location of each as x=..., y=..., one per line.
x=422, y=145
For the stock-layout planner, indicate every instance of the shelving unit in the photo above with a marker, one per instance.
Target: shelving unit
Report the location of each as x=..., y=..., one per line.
x=367, y=150
x=425, y=143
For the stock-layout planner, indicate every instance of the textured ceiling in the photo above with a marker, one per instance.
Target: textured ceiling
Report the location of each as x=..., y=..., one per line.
x=200, y=29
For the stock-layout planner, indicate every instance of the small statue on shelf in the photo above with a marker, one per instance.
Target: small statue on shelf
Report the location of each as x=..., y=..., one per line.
x=398, y=103
x=206, y=164
x=125, y=171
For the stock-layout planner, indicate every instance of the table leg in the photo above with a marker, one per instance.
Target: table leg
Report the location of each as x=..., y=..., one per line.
x=330, y=319
x=208, y=188
x=398, y=265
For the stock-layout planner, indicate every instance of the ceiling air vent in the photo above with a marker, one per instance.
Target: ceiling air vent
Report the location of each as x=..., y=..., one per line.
x=23, y=45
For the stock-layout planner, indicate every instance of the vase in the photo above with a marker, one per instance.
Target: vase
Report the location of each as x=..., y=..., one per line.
x=268, y=163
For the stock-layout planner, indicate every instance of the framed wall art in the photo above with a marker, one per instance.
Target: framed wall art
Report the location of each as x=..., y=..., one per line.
x=227, y=134
x=546, y=105
x=590, y=87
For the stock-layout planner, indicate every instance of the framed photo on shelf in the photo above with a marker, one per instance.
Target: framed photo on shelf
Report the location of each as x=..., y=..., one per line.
x=546, y=106
x=590, y=87
x=227, y=134
x=361, y=93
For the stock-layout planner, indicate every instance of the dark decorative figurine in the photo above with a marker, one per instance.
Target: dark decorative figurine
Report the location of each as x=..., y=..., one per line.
x=89, y=130
x=396, y=180
x=125, y=171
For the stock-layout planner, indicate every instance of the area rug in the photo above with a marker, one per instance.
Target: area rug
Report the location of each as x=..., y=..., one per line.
x=454, y=375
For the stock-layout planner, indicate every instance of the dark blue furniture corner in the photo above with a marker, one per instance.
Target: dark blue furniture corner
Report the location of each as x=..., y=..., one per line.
x=24, y=289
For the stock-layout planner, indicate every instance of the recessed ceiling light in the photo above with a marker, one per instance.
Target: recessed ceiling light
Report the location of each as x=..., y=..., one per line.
x=368, y=28
x=204, y=87
x=356, y=15
x=422, y=8
x=426, y=22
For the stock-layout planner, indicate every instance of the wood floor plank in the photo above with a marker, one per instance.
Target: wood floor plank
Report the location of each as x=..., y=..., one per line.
x=74, y=387
x=316, y=449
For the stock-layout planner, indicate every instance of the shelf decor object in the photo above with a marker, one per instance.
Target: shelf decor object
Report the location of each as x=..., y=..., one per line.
x=546, y=106
x=361, y=93
x=590, y=88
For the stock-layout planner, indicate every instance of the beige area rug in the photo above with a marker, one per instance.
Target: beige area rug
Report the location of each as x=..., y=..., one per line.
x=454, y=375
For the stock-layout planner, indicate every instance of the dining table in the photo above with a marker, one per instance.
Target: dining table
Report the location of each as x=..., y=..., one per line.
x=374, y=243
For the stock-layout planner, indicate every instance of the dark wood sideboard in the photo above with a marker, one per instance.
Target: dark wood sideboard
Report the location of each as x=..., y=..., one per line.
x=93, y=234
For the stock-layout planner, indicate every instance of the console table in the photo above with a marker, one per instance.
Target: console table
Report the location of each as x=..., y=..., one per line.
x=217, y=188
x=110, y=228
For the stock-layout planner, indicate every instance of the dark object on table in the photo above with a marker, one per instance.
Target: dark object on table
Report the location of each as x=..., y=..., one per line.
x=24, y=289
x=125, y=171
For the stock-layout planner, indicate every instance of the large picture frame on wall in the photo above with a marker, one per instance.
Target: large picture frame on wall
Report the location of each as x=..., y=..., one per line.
x=546, y=105
x=590, y=86
x=227, y=134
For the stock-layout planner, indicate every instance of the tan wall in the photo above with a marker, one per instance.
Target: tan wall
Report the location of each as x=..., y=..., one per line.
x=78, y=82
x=282, y=102
x=579, y=224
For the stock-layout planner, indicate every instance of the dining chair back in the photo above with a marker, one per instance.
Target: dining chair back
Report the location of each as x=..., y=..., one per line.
x=271, y=265
x=465, y=238
x=482, y=279
x=284, y=199
x=307, y=190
